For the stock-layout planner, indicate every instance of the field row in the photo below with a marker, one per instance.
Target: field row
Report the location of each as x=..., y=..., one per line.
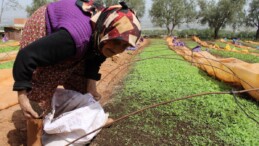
x=161, y=75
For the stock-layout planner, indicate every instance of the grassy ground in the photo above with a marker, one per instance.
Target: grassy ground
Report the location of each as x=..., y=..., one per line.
x=207, y=120
x=6, y=65
x=8, y=49
x=5, y=48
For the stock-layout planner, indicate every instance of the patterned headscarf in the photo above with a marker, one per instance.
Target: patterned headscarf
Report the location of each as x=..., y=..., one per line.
x=114, y=22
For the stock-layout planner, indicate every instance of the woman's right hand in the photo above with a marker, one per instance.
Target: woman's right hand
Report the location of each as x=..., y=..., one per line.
x=25, y=105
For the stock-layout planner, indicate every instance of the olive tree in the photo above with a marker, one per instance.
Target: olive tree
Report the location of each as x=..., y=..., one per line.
x=218, y=13
x=172, y=13
x=252, y=19
x=238, y=21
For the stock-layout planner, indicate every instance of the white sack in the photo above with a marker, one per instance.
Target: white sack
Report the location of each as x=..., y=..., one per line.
x=78, y=114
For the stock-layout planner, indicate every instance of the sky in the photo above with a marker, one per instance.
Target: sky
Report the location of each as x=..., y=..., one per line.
x=8, y=16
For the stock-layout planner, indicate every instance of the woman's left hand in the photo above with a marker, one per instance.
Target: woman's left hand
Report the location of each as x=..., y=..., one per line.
x=25, y=105
x=91, y=88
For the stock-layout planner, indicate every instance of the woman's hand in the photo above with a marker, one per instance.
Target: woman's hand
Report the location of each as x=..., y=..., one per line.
x=91, y=88
x=25, y=105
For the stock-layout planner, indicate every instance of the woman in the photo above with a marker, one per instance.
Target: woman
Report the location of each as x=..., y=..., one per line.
x=64, y=43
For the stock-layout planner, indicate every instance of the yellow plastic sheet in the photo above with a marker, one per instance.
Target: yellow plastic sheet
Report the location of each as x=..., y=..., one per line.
x=10, y=44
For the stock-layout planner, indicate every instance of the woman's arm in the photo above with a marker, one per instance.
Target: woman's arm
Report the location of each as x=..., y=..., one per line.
x=46, y=51
x=43, y=52
x=92, y=66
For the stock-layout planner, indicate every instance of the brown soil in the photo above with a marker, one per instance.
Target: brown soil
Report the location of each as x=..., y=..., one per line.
x=12, y=121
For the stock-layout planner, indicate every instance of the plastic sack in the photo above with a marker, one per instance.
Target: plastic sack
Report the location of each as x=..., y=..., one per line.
x=73, y=115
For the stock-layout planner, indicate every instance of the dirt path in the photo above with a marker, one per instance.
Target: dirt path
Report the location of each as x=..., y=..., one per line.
x=12, y=121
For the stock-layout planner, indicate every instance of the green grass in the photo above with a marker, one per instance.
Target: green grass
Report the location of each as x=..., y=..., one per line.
x=6, y=65
x=226, y=54
x=8, y=49
x=5, y=50
x=207, y=120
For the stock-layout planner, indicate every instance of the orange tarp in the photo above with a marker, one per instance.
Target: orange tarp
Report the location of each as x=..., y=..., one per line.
x=10, y=44
x=8, y=56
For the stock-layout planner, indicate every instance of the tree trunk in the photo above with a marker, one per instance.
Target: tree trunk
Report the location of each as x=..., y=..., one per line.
x=168, y=31
x=171, y=31
x=257, y=34
x=216, y=31
x=1, y=11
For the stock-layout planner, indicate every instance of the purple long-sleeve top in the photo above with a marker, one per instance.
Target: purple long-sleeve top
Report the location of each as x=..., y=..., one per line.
x=66, y=14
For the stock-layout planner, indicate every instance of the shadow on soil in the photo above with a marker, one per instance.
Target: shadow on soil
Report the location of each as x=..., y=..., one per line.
x=17, y=136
